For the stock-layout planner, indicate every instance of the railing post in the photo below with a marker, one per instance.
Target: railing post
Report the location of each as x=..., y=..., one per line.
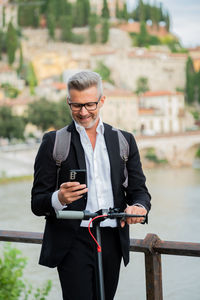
x=153, y=269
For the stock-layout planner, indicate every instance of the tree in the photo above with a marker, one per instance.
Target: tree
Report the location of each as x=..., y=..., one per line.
x=51, y=23
x=11, y=126
x=117, y=10
x=190, y=81
x=79, y=13
x=104, y=72
x=11, y=43
x=21, y=61
x=66, y=28
x=92, y=26
x=142, y=85
x=45, y=114
x=31, y=78
x=143, y=37
x=105, y=10
x=105, y=31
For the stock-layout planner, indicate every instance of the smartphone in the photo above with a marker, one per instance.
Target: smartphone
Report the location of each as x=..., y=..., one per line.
x=78, y=175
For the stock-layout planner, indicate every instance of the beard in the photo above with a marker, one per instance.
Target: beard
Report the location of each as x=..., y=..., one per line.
x=91, y=123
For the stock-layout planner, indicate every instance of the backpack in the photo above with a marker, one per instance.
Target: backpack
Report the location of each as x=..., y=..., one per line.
x=62, y=146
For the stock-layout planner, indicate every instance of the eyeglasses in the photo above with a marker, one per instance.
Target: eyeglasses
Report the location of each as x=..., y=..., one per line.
x=90, y=106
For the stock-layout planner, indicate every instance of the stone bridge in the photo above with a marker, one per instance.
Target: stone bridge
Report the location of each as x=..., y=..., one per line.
x=178, y=149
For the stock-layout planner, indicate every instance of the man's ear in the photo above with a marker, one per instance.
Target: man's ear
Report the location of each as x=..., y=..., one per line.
x=68, y=100
x=101, y=102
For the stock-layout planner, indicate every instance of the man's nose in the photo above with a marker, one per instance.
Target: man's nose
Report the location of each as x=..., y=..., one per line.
x=83, y=110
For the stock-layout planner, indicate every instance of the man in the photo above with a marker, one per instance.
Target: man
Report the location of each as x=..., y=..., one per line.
x=94, y=146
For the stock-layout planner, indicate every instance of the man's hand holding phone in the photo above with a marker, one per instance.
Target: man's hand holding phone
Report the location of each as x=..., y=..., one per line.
x=74, y=189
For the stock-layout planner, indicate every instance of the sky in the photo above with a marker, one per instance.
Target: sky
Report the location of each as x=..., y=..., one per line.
x=185, y=19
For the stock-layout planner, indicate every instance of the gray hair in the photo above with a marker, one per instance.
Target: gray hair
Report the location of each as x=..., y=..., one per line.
x=84, y=80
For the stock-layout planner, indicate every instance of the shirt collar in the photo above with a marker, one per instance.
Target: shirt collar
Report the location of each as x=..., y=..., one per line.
x=99, y=129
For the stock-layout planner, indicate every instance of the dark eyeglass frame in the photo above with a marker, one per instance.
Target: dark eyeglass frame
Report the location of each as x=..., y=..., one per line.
x=81, y=105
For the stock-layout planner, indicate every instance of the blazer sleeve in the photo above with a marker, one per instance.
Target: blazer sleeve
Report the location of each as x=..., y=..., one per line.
x=45, y=173
x=136, y=192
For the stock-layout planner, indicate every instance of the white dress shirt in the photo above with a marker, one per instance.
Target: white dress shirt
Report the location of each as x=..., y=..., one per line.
x=99, y=185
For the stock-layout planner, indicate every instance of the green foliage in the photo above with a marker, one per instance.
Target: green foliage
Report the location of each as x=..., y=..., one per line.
x=45, y=114
x=11, y=43
x=151, y=155
x=10, y=91
x=66, y=28
x=144, y=39
x=142, y=85
x=13, y=286
x=11, y=126
x=105, y=31
x=190, y=81
x=92, y=26
x=30, y=77
x=197, y=154
x=51, y=23
x=2, y=43
x=21, y=61
x=11, y=271
x=155, y=13
x=82, y=13
x=104, y=72
x=105, y=10
x=28, y=13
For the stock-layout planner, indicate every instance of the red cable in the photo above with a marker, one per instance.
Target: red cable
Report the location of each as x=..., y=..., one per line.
x=98, y=246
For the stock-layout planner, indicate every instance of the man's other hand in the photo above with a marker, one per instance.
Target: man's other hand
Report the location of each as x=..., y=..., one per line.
x=135, y=210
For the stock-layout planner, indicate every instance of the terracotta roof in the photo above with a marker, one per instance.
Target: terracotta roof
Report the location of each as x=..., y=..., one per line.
x=119, y=93
x=146, y=111
x=160, y=93
x=60, y=85
x=135, y=28
x=103, y=52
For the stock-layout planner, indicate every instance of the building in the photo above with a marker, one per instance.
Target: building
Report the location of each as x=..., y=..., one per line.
x=121, y=109
x=163, y=112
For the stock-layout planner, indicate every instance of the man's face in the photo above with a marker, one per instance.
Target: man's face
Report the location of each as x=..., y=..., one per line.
x=84, y=117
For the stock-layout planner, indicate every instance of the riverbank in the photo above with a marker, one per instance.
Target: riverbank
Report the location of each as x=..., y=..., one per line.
x=7, y=180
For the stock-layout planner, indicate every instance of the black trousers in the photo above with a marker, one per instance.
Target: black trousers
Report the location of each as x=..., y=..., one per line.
x=77, y=271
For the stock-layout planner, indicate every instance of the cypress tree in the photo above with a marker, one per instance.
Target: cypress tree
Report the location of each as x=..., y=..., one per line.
x=190, y=81
x=105, y=31
x=105, y=10
x=66, y=28
x=79, y=13
x=21, y=61
x=125, y=12
x=11, y=43
x=51, y=23
x=117, y=11
x=92, y=31
x=4, y=16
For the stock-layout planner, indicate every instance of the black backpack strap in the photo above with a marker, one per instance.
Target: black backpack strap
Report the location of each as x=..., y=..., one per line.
x=61, y=148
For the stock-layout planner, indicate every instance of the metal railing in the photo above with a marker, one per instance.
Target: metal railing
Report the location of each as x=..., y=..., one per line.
x=151, y=246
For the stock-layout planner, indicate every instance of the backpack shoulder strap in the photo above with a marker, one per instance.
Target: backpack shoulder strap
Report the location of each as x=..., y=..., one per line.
x=61, y=148
x=124, y=152
x=61, y=145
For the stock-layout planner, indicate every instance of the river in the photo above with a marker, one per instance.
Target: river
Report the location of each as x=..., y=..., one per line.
x=174, y=217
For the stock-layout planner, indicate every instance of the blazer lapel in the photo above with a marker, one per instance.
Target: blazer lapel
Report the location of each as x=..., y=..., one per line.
x=112, y=144
x=75, y=140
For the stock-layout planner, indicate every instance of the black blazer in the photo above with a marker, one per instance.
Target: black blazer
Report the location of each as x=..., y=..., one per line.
x=58, y=234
